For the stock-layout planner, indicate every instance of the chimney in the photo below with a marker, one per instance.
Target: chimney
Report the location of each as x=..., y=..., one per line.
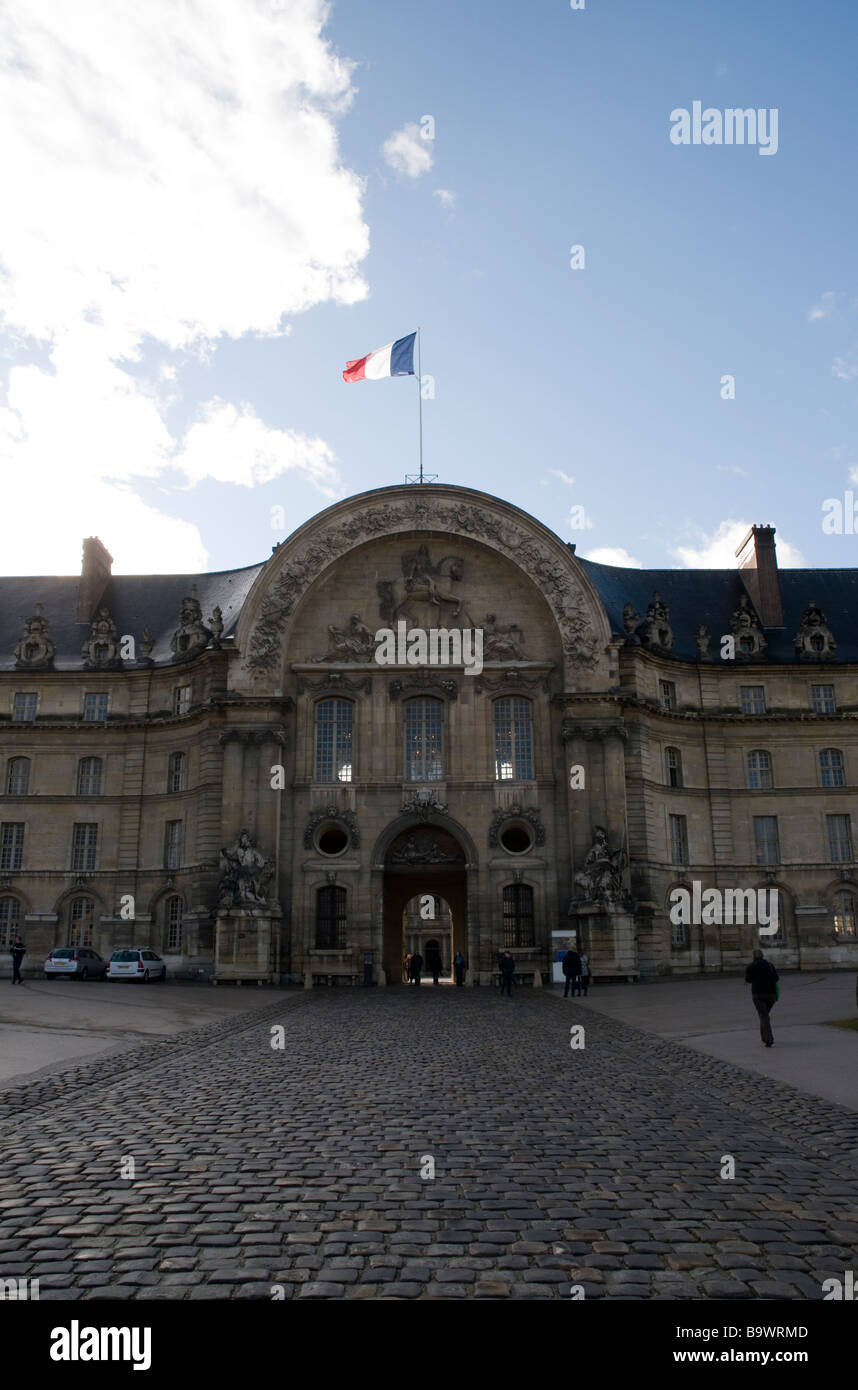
x=758, y=566
x=94, y=576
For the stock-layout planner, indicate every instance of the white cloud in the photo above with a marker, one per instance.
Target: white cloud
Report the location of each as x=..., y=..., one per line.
x=717, y=550
x=824, y=308
x=446, y=197
x=234, y=446
x=564, y=477
x=846, y=369
x=407, y=152
x=613, y=555
x=150, y=162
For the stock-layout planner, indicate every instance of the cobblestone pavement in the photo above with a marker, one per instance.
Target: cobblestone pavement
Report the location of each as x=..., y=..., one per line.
x=302, y=1167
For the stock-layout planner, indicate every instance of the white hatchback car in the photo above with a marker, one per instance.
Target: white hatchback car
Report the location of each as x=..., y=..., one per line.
x=136, y=963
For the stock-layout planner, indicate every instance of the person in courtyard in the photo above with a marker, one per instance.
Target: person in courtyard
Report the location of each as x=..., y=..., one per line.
x=433, y=962
x=763, y=979
x=572, y=972
x=507, y=970
x=459, y=968
x=416, y=968
x=19, y=950
x=585, y=974
x=408, y=967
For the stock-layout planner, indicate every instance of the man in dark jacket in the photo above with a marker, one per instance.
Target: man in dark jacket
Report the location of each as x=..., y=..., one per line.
x=572, y=970
x=459, y=967
x=416, y=967
x=763, y=978
x=19, y=950
x=507, y=970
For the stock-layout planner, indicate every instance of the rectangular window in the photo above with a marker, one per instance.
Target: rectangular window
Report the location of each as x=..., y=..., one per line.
x=84, y=846
x=667, y=694
x=839, y=839
x=173, y=845
x=11, y=845
x=766, y=840
x=181, y=699
x=673, y=767
x=176, y=775
x=334, y=739
x=18, y=777
x=331, y=923
x=173, y=934
x=822, y=699
x=513, y=742
x=678, y=840
x=752, y=699
x=831, y=767
x=95, y=707
x=423, y=747
x=517, y=916
x=24, y=707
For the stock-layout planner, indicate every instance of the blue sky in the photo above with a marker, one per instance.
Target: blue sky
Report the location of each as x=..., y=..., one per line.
x=551, y=128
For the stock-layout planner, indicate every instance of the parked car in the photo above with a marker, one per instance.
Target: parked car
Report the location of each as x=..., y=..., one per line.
x=79, y=961
x=136, y=963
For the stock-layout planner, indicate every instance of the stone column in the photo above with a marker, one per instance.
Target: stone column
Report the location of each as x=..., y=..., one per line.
x=232, y=803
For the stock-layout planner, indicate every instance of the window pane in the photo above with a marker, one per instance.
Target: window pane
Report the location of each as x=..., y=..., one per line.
x=423, y=760
x=517, y=915
x=11, y=845
x=673, y=767
x=176, y=774
x=95, y=707
x=173, y=844
x=766, y=839
x=822, y=699
x=513, y=740
x=10, y=920
x=752, y=699
x=844, y=914
x=181, y=699
x=18, y=777
x=759, y=771
x=89, y=777
x=81, y=922
x=831, y=767
x=24, y=707
x=84, y=844
x=667, y=694
x=331, y=918
x=678, y=840
x=173, y=925
x=839, y=839
x=334, y=738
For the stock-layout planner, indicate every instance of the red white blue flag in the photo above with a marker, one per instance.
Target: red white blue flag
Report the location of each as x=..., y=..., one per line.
x=397, y=359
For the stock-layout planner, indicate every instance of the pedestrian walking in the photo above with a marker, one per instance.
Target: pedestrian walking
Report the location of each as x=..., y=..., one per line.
x=19, y=950
x=507, y=970
x=763, y=979
x=434, y=963
x=416, y=968
x=585, y=973
x=459, y=968
x=572, y=971
x=408, y=967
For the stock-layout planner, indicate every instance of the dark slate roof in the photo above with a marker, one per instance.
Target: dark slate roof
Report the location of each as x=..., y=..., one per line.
x=135, y=601
x=711, y=596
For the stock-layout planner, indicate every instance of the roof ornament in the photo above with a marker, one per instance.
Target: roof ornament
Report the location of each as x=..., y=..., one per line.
x=745, y=626
x=191, y=636
x=814, y=640
x=35, y=651
x=101, y=649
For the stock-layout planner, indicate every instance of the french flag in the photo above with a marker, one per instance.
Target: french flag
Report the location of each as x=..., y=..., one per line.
x=397, y=359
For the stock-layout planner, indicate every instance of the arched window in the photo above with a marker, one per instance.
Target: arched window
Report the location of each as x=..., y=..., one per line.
x=89, y=777
x=513, y=742
x=176, y=773
x=18, y=777
x=81, y=921
x=423, y=743
x=673, y=767
x=173, y=912
x=334, y=738
x=760, y=771
x=10, y=921
x=330, y=918
x=517, y=915
x=831, y=767
x=844, y=914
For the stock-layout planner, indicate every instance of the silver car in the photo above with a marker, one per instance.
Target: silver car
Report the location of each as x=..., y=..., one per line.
x=80, y=961
x=136, y=963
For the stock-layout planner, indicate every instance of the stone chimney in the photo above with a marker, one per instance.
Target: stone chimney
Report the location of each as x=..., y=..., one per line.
x=758, y=566
x=94, y=577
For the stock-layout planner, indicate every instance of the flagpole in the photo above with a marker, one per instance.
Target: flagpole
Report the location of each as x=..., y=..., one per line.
x=420, y=401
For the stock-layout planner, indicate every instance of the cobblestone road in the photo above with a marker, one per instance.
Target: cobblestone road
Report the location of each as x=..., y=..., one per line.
x=301, y=1168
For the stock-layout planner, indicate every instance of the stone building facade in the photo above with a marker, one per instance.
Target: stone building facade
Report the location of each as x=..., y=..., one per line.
x=699, y=726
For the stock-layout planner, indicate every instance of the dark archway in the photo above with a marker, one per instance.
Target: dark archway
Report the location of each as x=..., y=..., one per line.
x=422, y=859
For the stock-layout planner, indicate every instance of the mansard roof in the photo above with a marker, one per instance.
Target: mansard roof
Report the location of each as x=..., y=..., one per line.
x=710, y=597
x=135, y=602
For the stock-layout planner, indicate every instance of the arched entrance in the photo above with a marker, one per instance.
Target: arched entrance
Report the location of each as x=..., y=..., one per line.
x=423, y=861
